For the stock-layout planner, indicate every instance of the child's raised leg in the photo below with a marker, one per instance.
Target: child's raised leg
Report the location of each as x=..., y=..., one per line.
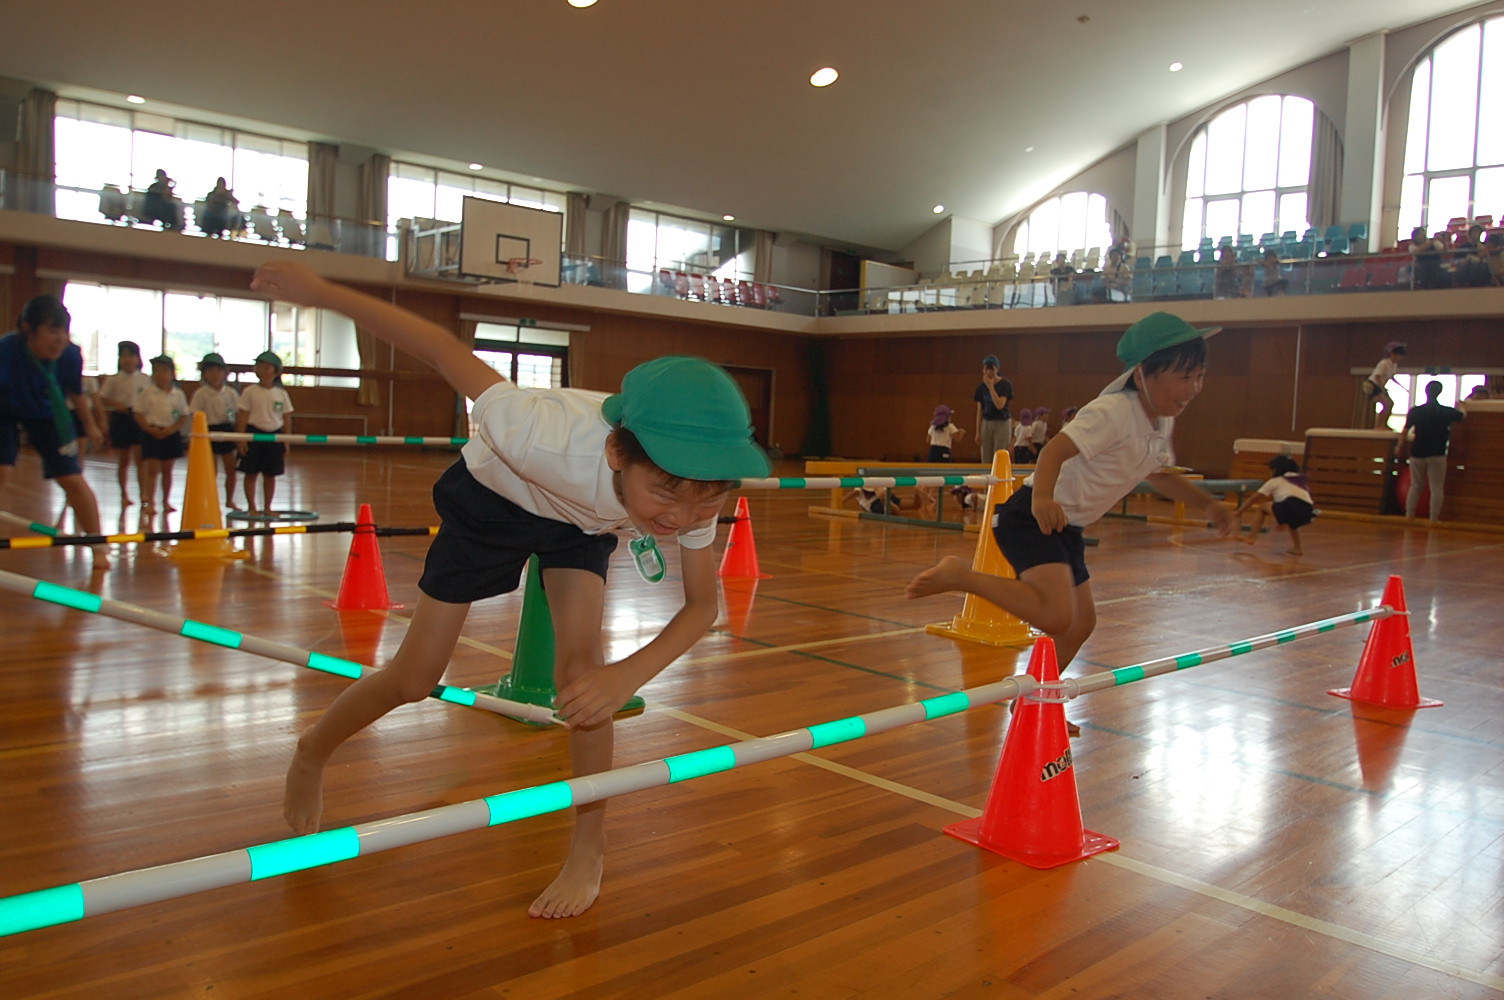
x=576, y=600
x=410, y=676
x=1043, y=596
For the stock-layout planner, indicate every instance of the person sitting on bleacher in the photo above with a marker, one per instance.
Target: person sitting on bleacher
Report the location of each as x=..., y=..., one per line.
x=1468, y=266
x=1426, y=255
x=1117, y=277
x=160, y=204
x=221, y=211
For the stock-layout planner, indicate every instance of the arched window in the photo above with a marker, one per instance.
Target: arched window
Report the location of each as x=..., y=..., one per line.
x=1249, y=171
x=1075, y=221
x=1454, y=147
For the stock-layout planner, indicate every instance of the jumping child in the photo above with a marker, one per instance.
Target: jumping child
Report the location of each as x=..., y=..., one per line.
x=1376, y=386
x=1118, y=440
x=218, y=402
x=557, y=473
x=265, y=408
x=1285, y=496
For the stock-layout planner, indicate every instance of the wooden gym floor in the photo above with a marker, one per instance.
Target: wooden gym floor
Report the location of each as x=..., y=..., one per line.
x=1276, y=841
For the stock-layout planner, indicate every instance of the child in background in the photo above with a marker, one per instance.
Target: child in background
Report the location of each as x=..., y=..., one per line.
x=1376, y=386
x=265, y=408
x=119, y=395
x=941, y=433
x=557, y=473
x=161, y=413
x=1286, y=496
x=884, y=501
x=969, y=499
x=218, y=403
x=1068, y=414
x=1117, y=441
x=1039, y=434
x=1023, y=438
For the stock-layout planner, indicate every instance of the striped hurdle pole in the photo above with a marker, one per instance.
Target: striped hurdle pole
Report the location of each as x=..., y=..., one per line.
x=80, y=600
x=44, y=529
x=199, y=533
x=68, y=903
x=852, y=482
x=444, y=442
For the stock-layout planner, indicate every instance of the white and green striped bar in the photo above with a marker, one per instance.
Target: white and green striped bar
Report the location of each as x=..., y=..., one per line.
x=1074, y=686
x=445, y=442
x=81, y=600
x=29, y=525
x=64, y=904
x=871, y=482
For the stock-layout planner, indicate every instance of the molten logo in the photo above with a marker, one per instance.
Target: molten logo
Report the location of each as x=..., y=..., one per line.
x=1401, y=660
x=1056, y=767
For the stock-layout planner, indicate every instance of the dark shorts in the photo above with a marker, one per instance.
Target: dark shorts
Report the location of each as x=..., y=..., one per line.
x=222, y=447
x=1371, y=389
x=939, y=453
x=484, y=542
x=1025, y=546
x=162, y=449
x=263, y=458
x=1293, y=512
x=42, y=433
x=124, y=431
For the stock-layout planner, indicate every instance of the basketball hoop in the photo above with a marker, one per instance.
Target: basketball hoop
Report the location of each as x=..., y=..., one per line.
x=518, y=268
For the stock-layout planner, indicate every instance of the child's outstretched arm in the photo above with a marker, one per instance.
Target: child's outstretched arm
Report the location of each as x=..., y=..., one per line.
x=1177, y=487
x=428, y=342
x=1049, y=514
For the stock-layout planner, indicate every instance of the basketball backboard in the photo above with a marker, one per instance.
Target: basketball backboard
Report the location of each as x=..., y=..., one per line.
x=501, y=242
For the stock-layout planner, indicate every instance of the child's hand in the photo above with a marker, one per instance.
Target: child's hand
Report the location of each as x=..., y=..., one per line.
x=1049, y=514
x=288, y=281
x=1221, y=517
x=594, y=698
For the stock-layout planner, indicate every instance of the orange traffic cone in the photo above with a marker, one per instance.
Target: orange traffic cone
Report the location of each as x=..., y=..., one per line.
x=201, y=502
x=363, y=587
x=1032, y=813
x=1386, y=670
x=980, y=620
x=740, y=559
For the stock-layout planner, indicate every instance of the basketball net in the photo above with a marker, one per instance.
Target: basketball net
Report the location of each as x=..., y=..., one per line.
x=520, y=270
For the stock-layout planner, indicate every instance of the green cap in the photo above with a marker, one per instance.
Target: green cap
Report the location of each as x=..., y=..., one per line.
x=691, y=419
x=1155, y=332
x=270, y=358
x=212, y=360
x=163, y=359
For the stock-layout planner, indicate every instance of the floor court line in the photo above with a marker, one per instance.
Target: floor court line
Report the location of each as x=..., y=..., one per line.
x=1142, y=868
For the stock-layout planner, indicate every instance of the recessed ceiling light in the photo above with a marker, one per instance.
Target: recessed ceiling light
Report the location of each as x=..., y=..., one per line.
x=135, y=99
x=477, y=166
x=1176, y=67
x=729, y=218
x=938, y=209
x=581, y=3
x=1028, y=149
x=823, y=77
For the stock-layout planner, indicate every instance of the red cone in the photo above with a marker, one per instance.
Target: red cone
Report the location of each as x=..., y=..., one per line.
x=1032, y=813
x=363, y=587
x=1386, y=670
x=740, y=559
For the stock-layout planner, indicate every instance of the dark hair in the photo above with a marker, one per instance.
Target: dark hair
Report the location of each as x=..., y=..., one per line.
x=1433, y=389
x=634, y=453
x=1182, y=357
x=1283, y=465
x=128, y=347
x=43, y=310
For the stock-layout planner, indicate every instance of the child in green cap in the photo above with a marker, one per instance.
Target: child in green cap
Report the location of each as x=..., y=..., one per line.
x=1116, y=441
x=556, y=473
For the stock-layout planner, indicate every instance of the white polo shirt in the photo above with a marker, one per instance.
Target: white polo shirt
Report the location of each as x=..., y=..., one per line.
x=161, y=407
x=1280, y=488
x=1119, y=446
x=265, y=408
x=217, y=405
x=545, y=450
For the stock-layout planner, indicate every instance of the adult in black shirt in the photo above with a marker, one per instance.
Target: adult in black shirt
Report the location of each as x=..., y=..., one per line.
x=1432, y=422
x=994, y=422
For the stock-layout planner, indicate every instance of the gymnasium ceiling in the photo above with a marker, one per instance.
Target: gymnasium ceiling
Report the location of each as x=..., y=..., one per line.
x=706, y=106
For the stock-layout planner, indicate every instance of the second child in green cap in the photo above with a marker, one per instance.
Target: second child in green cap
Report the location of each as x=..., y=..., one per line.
x=1115, y=442
x=218, y=402
x=264, y=408
x=555, y=473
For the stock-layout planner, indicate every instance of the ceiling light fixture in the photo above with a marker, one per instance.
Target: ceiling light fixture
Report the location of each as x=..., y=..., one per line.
x=135, y=99
x=581, y=3
x=1176, y=67
x=823, y=77
x=938, y=209
x=729, y=218
x=1028, y=149
x=477, y=166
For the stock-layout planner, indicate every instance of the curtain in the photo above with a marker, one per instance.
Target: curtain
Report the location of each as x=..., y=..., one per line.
x=323, y=161
x=368, y=391
x=1326, y=174
x=36, y=157
x=371, y=207
x=762, y=256
x=576, y=204
x=615, y=243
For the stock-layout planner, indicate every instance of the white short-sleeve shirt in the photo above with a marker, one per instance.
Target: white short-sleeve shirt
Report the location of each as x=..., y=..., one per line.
x=545, y=450
x=1280, y=488
x=217, y=405
x=1118, y=446
x=161, y=407
x=1385, y=370
x=122, y=388
x=265, y=408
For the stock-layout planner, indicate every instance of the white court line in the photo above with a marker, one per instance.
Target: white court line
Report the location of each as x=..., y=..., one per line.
x=1143, y=868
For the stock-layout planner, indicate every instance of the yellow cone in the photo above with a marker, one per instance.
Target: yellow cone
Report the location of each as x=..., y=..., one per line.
x=980, y=620
x=201, y=502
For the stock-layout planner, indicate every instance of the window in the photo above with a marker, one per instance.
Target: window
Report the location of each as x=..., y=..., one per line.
x=1249, y=171
x=98, y=146
x=414, y=192
x=186, y=326
x=1409, y=391
x=1075, y=221
x=1454, y=149
x=532, y=357
x=657, y=241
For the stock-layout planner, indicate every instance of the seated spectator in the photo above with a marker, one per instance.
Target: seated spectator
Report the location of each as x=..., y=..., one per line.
x=1231, y=278
x=1063, y=280
x=1469, y=268
x=1275, y=282
x=1493, y=256
x=1426, y=261
x=221, y=211
x=113, y=203
x=160, y=204
x=1116, y=279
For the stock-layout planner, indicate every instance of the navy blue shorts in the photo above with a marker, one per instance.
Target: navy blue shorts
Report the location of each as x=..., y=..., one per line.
x=939, y=453
x=42, y=433
x=166, y=449
x=222, y=447
x=1293, y=512
x=484, y=542
x=1025, y=546
x=263, y=458
x=124, y=431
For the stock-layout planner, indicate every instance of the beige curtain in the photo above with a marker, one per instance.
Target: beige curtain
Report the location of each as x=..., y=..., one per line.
x=372, y=203
x=762, y=256
x=323, y=160
x=1326, y=174
x=35, y=155
x=576, y=205
x=614, y=242
x=368, y=391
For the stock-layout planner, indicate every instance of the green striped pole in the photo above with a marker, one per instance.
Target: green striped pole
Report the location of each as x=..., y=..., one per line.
x=444, y=442
x=871, y=482
x=198, y=533
x=44, y=529
x=80, y=600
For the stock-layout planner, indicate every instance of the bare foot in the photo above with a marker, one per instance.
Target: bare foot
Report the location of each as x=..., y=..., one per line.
x=573, y=891
x=303, y=797
x=126, y=501
x=938, y=579
x=148, y=510
x=169, y=508
x=101, y=560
